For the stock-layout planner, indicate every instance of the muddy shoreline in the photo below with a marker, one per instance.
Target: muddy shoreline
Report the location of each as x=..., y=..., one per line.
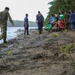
x=38, y=54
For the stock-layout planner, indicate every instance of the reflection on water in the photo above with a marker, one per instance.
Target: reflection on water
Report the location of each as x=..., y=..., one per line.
x=12, y=32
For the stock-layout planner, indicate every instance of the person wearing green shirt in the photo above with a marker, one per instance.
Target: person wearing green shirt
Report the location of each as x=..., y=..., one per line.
x=61, y=16
x=61, y=21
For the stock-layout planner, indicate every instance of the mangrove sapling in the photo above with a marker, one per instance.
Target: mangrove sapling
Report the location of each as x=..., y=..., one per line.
x=9, y=53
x=0, y=37
x=63, y=49
x=3, y=60
x=65, y=31
x=56, y=36
x=69, y=48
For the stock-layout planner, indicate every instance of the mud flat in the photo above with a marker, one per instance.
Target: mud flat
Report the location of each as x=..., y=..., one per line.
x=38, y=54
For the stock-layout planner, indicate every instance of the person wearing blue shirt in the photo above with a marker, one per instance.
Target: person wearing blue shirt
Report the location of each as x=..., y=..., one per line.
x=40, y=21
x=72, y=20
x=26, y=25
x=52, y=19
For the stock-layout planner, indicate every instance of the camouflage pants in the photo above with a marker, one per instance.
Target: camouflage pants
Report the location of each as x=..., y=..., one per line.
x=4, y=31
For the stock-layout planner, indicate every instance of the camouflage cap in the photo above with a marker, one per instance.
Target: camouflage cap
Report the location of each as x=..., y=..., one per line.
x=6, y=8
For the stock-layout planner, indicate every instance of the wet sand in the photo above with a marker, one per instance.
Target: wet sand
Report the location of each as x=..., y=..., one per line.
x=38, y=54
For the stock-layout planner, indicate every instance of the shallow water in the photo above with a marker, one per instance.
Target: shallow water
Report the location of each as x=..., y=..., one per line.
x=12, y=32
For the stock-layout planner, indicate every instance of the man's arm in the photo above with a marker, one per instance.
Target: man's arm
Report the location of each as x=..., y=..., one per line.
x=36, y=19
x=10, y=19
x=43, y=18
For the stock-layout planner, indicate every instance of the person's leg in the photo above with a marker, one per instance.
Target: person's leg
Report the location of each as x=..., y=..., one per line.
x=27, y=30
x=38, y=28
x=74, y=25
x=41, y=27
x=58, y=25
x=71, y=26
x=24, y=31
x=4, y=33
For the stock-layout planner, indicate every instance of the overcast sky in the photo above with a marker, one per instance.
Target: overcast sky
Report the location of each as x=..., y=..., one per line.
x=18, y=8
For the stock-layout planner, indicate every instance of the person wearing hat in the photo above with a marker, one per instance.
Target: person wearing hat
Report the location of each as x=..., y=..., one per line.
x=40, y=21
x=4, y=16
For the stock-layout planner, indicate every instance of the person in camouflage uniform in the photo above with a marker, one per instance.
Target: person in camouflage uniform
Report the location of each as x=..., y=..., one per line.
x=4, y=16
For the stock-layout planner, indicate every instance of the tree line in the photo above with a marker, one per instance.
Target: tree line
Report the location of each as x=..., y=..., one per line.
x=59, y=5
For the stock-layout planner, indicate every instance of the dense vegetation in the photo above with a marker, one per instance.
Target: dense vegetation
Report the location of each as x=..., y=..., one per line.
x=59, y=5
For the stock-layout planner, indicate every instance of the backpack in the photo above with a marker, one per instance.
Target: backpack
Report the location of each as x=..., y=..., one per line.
x=48, y=27
x=61, y=24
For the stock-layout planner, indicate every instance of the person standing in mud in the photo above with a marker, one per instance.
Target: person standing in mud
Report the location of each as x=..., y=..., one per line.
x=39, y=21
x=26, y=25
x=4, y=16
x=67, y=16
x=72, y=20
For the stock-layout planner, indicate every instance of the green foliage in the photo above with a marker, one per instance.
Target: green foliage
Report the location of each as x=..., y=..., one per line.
x=0, y=37
x=59, y=5
x=72, y=45
x=69, y=48
x=9, y=52
x=65, y=31
x=55, y=34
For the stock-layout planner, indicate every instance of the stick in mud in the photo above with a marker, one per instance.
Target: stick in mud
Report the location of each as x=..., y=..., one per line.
x=4, y=62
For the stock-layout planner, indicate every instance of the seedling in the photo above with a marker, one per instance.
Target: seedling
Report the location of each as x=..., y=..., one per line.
x=63, y=48
x=9, y=53
x=69, y=48
x=3, y=60
x=56, y=35
x=65, y=31
x=0, y=37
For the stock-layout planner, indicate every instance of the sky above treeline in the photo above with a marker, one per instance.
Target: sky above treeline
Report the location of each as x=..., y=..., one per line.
x=18, y=8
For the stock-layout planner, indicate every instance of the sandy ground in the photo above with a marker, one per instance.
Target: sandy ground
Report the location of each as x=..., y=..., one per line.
x=38, y=54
